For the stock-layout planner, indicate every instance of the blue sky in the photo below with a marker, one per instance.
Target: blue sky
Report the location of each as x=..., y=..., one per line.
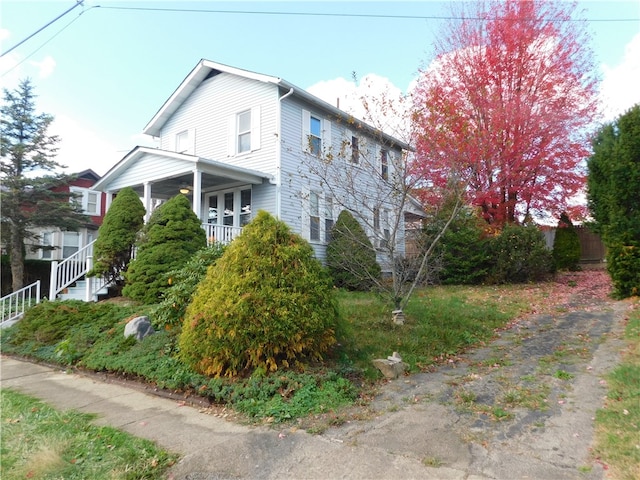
x=107, y=70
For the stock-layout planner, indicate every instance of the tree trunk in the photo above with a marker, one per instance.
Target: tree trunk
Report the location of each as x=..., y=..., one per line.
x=17, y=260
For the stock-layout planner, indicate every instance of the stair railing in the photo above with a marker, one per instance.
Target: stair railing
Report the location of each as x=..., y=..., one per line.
x=69, y=270
x=13, y=306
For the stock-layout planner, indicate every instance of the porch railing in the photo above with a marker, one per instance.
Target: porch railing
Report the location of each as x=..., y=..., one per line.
x=13, y=306
x=72, y=269
x=220, y=233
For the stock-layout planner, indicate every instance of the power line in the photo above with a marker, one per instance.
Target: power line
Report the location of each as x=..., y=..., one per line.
x=347, y=15
x=78, y=3
x=37, y=49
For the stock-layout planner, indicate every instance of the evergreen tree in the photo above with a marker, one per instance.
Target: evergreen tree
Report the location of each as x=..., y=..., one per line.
x=117, y=236
x=174, y=233
x=566, y=245
x=614, y=198
x=29, y=201
x=266, y=304
x=351, y=257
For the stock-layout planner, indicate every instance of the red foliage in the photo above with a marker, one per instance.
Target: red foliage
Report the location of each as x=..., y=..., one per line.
x=505, y=108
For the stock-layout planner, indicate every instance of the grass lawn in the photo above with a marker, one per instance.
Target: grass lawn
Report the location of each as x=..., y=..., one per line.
x=618, y=423
x=41, y=442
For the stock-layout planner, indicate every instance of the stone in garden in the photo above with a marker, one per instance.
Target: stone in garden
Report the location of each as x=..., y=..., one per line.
x=398, y=317
x=392, y=366
x=140, y=327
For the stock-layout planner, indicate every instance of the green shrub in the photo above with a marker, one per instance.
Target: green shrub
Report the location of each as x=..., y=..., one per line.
x=463, y=249
x=117, y=235
x=173, y=234
x=351, y=258
x=267, y=303
x=623, y=264
x=566, y=245
x=520, y=254
x=183, y=282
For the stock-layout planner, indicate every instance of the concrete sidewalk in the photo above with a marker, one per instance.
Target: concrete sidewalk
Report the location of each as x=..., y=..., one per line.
x=417, y=431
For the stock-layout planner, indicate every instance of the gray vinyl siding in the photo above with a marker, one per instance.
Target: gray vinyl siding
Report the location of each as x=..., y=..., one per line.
x=208, y=110
x=263, y=197
x=297, y=181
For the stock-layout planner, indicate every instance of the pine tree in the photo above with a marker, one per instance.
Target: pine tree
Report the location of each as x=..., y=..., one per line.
x=117, y=236
x=351, y=257
x=29, y=201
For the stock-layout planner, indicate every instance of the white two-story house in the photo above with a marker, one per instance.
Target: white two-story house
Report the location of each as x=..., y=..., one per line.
x=237, y=142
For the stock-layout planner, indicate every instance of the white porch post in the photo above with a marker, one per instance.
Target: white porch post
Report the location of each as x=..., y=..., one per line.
x=108, y=200
x=197, y=192
x=147, y=201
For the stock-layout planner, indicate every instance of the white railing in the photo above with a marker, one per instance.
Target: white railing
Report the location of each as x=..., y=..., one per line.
x=70, y=270
x=13, y=306
x=220, y=233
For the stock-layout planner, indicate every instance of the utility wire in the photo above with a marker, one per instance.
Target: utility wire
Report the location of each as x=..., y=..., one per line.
x=360, y=15
x=78, y=3
x=36, y=50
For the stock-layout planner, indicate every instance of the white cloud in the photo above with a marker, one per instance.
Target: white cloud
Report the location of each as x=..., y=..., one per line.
x=619, y=89
x=4, y=34
x=374, y=99
x=80, y=148
x=45, y=67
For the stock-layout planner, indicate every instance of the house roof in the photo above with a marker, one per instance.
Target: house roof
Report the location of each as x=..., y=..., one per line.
x=88, y=175
x=205, y=67
x=211, y=167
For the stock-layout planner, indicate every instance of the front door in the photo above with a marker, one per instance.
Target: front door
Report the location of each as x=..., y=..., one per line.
x=229, y=207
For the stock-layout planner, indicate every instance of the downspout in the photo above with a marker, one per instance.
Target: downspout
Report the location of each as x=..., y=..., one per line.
x=279, y=153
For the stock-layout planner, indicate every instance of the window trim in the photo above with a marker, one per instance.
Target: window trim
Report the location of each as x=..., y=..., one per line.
x=254, y=131
x=324, y=139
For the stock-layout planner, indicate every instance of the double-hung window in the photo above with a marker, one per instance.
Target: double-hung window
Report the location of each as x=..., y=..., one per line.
x=355, y=150
x=328, y=218
x=47, y=242
x=316, y=133
x=70, y=243
x=314, y=216
x=244, y=131
x=88, y=200
x=384, y=164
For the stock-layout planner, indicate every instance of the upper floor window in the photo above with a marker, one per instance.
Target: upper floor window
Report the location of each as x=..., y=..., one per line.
x=355, y=151
x=244, y=131
x=384, y=164
x=89, y=200
x=316, y=133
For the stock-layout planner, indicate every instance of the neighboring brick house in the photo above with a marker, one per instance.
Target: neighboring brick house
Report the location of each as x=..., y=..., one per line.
x=62, y=244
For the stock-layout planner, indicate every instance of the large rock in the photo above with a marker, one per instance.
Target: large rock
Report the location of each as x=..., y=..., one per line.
x=391, y=367
x=140, y=327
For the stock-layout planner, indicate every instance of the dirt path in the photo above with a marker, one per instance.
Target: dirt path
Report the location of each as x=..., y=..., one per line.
x=520, y=407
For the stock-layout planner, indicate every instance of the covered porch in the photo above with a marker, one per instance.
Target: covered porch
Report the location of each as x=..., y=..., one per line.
x=220, y=194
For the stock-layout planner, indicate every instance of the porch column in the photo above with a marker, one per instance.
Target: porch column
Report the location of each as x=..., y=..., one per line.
x=147, y=201
x=197, y=192
x=108, y=198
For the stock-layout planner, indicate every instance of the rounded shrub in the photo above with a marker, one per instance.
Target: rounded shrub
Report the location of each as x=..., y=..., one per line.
x=266, y=304
x=171, y=237
x=463, y=249
x=566, y=245
x=623, y=264
x=351, y=258
x=520, y=255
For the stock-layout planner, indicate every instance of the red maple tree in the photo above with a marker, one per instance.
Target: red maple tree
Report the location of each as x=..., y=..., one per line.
x=506, y=108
